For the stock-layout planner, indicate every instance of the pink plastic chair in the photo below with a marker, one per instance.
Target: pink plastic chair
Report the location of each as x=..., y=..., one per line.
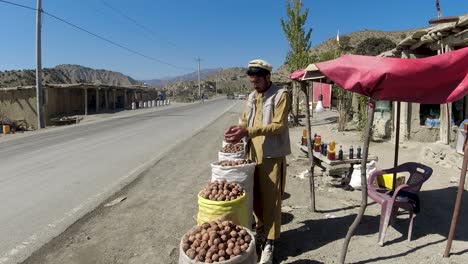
x=389, y=202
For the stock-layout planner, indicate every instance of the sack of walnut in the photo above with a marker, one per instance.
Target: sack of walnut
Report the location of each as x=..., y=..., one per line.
x=218, y=242
x=232, y=151
x=239, y=171
x=223, y=200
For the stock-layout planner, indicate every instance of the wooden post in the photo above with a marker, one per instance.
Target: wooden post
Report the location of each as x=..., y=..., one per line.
x=106, y=99
x=456, y=210
x=97, y=100
x=113, y=99
x=86, y=101
x=125, y=100
x=296, y=118
x=362, y=209
x=309, y=148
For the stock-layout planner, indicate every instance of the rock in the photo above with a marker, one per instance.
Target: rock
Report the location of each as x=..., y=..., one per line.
x=442, y=155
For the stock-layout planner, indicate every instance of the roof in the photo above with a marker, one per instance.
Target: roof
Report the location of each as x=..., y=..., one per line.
x=432, y=80
x=429, y=40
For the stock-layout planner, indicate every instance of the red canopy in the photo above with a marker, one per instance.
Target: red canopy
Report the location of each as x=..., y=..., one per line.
x=432, y=80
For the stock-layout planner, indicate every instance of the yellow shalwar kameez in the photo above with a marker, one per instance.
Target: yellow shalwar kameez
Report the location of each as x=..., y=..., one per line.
x=270, y=173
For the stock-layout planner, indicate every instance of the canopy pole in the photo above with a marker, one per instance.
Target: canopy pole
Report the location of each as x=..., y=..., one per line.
x=309, y=148
x=456, y=210
x=397, y=143
x=362, y=209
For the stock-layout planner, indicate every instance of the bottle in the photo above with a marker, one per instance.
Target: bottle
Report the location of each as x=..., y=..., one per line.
x=325, y=149
x=304, y=138
x=340, y=153
x=358, y=154
x=331, y=151
x=318, y=140
x=351, y=152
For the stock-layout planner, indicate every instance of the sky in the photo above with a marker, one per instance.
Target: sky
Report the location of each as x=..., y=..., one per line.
x=170, y=35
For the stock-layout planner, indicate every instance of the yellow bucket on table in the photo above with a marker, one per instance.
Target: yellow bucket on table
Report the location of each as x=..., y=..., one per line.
x=386, y=180
x=6, y=129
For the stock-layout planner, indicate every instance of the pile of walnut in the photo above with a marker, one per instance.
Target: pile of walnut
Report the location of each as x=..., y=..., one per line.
x=233, y=148
x=228, y=163
x=216, y=241
x=222, y=191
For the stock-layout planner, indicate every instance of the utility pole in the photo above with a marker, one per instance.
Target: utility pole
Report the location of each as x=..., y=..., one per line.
x=39, y=93
x=216, y=87
x=199, y=85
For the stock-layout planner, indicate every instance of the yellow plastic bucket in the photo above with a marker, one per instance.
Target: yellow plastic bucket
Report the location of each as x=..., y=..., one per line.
x=386, y=180
x=6, y=129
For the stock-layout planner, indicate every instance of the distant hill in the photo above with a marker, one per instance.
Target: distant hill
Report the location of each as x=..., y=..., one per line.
x=187, y=77
x=227, y=80
x=351, y=41
x=65, y=74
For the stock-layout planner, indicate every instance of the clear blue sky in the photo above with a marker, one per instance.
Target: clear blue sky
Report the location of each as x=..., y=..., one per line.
x=223, y=33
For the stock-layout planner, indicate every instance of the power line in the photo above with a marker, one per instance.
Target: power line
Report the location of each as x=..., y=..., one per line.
x=20, y=5
x=134, y=21
x=96, y=35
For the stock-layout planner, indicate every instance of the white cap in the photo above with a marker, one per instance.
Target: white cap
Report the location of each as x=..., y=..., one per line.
x=260, y=64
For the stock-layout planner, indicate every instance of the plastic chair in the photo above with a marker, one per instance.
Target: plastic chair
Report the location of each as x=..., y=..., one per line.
x=391, y=202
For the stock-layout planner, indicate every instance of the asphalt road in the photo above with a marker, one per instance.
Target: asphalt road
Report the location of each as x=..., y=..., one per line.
x=50, y=180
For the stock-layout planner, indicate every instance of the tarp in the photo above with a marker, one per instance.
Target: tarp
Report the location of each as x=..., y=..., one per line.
x=323, y=89
x=433, y=80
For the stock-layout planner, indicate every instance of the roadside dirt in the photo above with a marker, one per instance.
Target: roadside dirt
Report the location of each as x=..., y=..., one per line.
x=161, y=206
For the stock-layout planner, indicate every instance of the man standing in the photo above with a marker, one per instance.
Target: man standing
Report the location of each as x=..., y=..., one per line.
x=265, y=123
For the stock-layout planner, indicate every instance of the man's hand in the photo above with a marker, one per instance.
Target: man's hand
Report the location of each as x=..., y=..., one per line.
x=234, y=134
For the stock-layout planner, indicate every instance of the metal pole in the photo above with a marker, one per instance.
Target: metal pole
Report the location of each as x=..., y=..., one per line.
x=456, y=210
x=397, y=143
x=39, y=92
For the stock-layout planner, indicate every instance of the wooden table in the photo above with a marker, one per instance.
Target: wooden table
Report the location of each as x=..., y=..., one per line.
x=335, y=169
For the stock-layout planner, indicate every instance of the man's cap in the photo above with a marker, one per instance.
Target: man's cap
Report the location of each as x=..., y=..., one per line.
x=260, y=64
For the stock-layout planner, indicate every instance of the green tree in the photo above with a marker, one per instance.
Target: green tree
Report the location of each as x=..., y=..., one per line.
x=374, y=46
x=298, y=38
x=299, y=42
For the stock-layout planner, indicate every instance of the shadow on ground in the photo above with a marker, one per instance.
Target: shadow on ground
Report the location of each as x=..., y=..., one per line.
x=435, y=218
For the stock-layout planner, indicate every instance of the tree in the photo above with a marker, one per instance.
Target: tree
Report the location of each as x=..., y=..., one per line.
x=374, y=46
x=299, y=40
x=371, y=47
x=343, y=96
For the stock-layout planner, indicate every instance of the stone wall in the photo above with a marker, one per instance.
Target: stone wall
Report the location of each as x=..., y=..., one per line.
x=62, y=102
x=418, y=132
x=19, y=105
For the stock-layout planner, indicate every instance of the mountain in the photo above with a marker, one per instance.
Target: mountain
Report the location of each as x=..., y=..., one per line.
x=187, y=77
x=350, y=42
x=65, y=74
x=230, y=79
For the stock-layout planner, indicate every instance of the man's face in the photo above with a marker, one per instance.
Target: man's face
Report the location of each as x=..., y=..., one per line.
x=260, y=84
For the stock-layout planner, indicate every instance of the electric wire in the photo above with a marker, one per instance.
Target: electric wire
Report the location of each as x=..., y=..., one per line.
x=96, y=35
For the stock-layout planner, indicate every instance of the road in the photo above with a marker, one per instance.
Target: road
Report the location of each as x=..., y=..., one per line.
x=50, y=180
